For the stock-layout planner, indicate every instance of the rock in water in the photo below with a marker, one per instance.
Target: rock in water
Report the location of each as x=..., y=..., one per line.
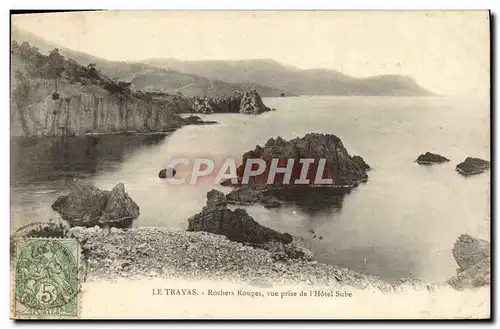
x=196, y=120
x=474, y=260
x=216, y=198
x=361, y=162
x=236, y=225
x=469, y=251
x=248, y=102
x=82, y=206
x=340, y=166
x=475, y=276
x=345, y=172
x=472, y=166
x=120, y=208
x=430, y=158
x=88, y=206
x=163, y=173
x=271, y=202
x=251, y=103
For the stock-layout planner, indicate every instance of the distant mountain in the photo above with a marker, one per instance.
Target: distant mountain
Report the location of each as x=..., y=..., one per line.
x=144, y=76
x=221, y=78
x=294, y=80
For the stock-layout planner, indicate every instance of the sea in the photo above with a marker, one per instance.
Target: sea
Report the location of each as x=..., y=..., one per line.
x=402, y=222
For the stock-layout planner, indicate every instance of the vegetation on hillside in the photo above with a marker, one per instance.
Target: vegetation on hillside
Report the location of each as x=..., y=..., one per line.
x=56, y=67
x=148, y=77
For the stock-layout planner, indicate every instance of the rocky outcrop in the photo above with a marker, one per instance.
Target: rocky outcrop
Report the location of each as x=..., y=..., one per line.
x=345, y=172
x=163, y=173
x=469, y=251
x=216, y=198
x=477, y=275
x=473, y=257
x=208, y=105
x=251, y=103
x=196, y=120
x=431, y=158
x=271, y=202
x=339, y=165
x=253, y=194
x=472, y=166
x=88, y=206
x=236, y=224
x=361, y=162
x=248, y=102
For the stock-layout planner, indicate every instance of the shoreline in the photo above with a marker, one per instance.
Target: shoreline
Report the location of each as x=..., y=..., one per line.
x=110, y=254
x=121, y=132
x=208, y=270
x=167, y=253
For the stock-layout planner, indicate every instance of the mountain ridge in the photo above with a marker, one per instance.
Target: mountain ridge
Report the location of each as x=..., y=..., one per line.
x=221, y=77
x=294, y=80
x=144, y=76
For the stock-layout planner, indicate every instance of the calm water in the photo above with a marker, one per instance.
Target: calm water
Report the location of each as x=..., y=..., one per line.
x=402, y=223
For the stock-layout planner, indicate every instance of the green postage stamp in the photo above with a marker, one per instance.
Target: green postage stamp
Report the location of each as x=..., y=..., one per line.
x=46, y=279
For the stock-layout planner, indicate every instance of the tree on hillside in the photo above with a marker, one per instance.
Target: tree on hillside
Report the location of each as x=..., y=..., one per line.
x=55, y=66
x=14, y=46
x=93, y=72
x=26, y=52
x=73, y=71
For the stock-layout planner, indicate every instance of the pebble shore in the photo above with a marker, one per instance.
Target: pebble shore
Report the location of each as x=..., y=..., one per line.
x=168, y=253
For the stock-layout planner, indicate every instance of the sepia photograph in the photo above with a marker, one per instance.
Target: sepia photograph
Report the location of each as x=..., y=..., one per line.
x=250, y=164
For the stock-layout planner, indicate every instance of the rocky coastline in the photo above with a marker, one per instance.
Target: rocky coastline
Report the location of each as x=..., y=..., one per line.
x=219, y=244
x=81, y=100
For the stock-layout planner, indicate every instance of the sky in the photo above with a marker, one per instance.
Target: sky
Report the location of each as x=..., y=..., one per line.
x=444, y=51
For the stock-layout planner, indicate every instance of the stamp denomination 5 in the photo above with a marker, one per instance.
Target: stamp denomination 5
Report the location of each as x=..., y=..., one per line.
x=46, y=278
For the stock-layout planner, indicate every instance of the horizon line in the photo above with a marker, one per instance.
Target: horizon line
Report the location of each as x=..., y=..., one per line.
x=144, y=60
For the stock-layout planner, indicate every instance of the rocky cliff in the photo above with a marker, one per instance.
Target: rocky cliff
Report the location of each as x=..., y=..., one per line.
x=90, y=113
x=54, y=96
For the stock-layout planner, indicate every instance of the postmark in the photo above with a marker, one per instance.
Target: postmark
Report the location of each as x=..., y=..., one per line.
x=46, y=278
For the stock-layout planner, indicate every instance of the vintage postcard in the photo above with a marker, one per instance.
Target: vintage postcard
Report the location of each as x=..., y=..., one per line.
x=250, y=165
